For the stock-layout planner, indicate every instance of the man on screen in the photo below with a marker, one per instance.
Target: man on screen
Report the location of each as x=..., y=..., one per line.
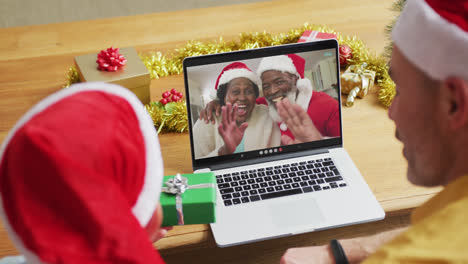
x=289, y=95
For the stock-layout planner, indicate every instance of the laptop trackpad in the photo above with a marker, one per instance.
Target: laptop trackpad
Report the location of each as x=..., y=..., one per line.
x=302, y=212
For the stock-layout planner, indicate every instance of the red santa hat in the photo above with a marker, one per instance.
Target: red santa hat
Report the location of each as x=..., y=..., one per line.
x=433, y=35
x=232, y=71
x=290, y=63
x=80, y=177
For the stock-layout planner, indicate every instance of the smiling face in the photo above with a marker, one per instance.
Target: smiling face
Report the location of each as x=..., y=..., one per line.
x=417, y=116
x=241, y=91
x=277, y=85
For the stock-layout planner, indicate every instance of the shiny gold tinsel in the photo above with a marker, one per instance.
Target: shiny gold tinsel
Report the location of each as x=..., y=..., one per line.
x=387, y=89
x=377, y=63
x=72, y=76
x=160, y=65
x=171, y=117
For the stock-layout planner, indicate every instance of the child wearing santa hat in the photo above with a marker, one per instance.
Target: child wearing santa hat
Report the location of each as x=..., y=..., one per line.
x=80, y=177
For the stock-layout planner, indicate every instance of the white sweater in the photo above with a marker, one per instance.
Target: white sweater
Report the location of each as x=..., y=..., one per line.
x=261, y=133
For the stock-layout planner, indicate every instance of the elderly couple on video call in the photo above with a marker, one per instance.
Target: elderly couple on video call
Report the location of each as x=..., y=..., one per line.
x=276, y=106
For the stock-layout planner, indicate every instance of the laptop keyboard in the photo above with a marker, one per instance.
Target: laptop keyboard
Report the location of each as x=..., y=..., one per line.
x=278, y=181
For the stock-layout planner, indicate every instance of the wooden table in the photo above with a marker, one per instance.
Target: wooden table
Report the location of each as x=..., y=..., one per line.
x=34, y=61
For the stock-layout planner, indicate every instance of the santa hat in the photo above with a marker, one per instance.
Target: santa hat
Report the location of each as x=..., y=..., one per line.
x=80, y=177
x=433, y=35
x=232, y=71
x=295, y=65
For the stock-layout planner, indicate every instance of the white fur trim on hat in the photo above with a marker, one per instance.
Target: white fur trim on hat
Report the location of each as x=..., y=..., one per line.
x=213, y=95
x=305, y=93
x=434, y=45
x=237, y=73
x=280, y=63
x=232, y=74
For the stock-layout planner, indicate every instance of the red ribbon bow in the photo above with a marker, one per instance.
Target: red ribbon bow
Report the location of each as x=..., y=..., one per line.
x=110, y=60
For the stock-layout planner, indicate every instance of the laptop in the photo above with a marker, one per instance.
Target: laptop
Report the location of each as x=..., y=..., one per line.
x=268, y=192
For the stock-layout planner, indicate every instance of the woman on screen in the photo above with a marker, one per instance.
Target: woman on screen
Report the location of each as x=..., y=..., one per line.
x=243, y=125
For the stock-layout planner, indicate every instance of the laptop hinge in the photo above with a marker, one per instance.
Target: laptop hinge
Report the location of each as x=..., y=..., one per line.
x=283, y=156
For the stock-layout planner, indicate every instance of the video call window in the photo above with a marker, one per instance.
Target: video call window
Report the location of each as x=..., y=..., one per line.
x=308, y=79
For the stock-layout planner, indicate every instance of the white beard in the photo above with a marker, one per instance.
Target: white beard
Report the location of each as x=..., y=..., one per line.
x=301, y=96
x=291, y=95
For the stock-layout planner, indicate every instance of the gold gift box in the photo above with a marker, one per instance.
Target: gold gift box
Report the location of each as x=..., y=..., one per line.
x=133, y=76
x=356, y=81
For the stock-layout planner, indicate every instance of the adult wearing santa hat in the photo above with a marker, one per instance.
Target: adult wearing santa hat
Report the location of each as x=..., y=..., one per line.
x=283, y=78
x=80, y=177
x=429, y=66
x=243, y=125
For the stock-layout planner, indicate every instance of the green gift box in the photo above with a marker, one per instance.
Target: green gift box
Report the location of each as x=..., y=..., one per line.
x=191, y=197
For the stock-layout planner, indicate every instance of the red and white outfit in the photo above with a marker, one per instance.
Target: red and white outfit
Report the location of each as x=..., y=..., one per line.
x=80, y=177
x=322, y=109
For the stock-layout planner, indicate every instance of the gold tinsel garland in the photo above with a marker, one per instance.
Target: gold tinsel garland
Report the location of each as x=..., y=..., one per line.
x=169, y=117
x=72, y=76
x=174, y=117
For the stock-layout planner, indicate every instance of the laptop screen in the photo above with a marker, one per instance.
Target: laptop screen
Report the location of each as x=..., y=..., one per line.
x=246, y=88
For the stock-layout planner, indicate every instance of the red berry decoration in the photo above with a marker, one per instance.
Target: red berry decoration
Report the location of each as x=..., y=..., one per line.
x=171, y=96
x=110, y=60
x=345, y=54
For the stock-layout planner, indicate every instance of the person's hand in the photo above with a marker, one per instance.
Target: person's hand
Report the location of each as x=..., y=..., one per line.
x=228, y=129
x=306, y=255
x=298, y=122
x=160, y=233
x=208, y=113
x=287, y=140
x=153, y=228
x=356, y=249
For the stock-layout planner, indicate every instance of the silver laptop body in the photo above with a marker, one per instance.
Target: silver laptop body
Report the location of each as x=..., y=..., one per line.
x=332, y=194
